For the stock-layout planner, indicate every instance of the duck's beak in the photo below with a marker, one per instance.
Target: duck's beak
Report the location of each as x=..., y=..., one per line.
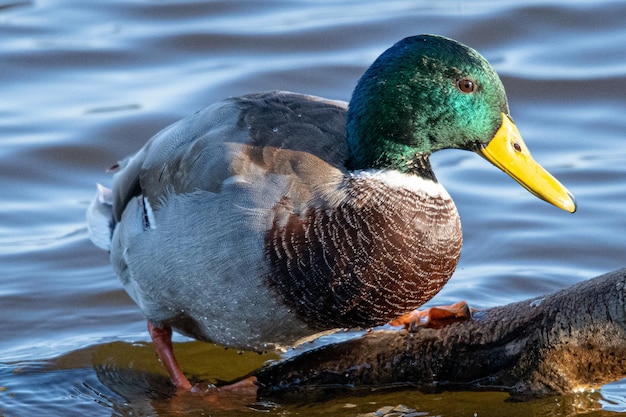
x=508, y=152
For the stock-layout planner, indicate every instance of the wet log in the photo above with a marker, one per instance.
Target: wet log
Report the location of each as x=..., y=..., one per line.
x=572, y=339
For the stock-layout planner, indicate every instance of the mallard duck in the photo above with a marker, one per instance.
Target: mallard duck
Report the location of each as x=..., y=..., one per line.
x=266, y=218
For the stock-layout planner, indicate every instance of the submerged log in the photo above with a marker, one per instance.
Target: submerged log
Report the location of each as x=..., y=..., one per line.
x=572, y=339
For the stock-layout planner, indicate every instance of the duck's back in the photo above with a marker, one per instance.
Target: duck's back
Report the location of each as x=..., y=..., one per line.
x=192, y=207
x=224, y=139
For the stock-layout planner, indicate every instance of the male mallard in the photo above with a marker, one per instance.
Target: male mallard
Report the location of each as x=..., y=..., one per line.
x=267, y=218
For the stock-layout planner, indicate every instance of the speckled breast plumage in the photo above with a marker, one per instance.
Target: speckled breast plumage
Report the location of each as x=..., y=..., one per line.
x=381, y=253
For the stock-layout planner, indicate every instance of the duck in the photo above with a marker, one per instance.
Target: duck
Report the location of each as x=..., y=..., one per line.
x=265, y=219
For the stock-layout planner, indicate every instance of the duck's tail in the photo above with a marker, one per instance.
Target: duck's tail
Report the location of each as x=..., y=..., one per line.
x=100, y=218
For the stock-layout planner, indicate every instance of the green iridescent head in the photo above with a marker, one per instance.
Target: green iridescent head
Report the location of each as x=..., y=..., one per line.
x=423, y=94
x=428, y=93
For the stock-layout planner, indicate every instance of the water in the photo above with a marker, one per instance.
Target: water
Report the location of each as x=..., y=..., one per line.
x=83, y=84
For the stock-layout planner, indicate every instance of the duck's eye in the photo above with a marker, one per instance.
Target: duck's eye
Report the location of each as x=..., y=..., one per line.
x=517, y=147
x=466, y=85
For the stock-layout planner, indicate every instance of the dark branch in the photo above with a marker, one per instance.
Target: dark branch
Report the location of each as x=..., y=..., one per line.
x=570, y=339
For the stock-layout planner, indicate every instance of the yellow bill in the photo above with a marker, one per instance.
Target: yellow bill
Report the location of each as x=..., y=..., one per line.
x=508, y=152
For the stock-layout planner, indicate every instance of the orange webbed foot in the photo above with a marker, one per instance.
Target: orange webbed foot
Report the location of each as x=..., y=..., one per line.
x=239, y=396
x=244, y=387
x=435, y=317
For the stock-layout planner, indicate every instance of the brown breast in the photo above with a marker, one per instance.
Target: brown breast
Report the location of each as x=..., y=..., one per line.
x=380, y=253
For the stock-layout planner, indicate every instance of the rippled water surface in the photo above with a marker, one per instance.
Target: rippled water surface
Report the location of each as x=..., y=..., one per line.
x=83, y=84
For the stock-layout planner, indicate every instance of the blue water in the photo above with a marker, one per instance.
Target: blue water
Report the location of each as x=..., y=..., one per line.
x=83, y=84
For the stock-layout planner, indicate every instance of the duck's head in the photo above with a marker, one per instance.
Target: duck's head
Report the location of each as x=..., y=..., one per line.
x=428, y=93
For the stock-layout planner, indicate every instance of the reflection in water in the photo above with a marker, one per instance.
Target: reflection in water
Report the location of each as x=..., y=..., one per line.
x=69, y=386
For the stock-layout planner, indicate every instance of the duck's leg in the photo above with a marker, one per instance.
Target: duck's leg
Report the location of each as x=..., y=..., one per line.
x=162, y=339
x=435, y=317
